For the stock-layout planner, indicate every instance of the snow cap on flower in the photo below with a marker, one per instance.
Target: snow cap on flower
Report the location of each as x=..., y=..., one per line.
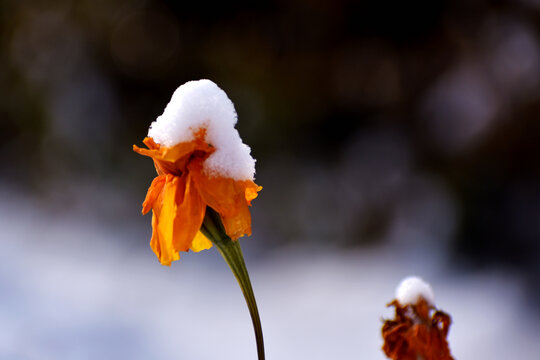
x=411, y=289
x=199, y=105
x=418, y=329
x=202, y=165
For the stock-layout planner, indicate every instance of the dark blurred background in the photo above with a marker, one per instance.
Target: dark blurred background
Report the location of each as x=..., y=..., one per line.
x=391, y=138
x=410, y=126
x=413, y=125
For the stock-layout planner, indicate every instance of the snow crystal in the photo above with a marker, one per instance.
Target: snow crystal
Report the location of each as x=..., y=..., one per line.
x=411, y=289
x=202, y=104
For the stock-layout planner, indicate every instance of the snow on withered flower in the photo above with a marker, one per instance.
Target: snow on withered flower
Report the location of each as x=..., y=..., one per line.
x=201, y=163
x=418, y=330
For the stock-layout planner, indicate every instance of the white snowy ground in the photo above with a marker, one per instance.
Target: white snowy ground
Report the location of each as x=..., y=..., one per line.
x=71, y=289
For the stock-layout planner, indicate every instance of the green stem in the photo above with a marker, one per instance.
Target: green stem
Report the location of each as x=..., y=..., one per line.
x=232, y=254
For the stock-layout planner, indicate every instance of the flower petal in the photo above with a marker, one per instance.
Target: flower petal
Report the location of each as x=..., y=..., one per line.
x=153, y=193
x=239, y=223
x=229, y=197
x=200, y=243
x=252, y=190
x=189, y=214
x=173, y=160
x=162, y=220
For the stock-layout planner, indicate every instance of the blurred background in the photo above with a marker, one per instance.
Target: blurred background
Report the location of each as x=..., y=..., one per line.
x=391, y=138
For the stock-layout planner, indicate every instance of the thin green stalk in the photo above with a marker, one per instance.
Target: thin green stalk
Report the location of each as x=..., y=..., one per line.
x=232, y=254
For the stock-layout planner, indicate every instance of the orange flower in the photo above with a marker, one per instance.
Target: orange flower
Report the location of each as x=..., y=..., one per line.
x=417, y=332
x=180, y=193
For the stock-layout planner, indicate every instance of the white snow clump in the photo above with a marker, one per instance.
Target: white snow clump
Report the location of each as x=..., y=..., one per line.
x=202, y=104
x=411, y=289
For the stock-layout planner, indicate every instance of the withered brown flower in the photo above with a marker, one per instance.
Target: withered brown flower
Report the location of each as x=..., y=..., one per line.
x=418, y=332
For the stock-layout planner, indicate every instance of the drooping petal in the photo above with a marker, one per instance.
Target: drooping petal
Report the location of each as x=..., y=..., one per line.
x=153, y=193
x=189, y=214
x=229, y=197
x=238, y=224
x=166, y=214
x=178, y=216
x=200, y=243
x=162, y=218
x=155, y=244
